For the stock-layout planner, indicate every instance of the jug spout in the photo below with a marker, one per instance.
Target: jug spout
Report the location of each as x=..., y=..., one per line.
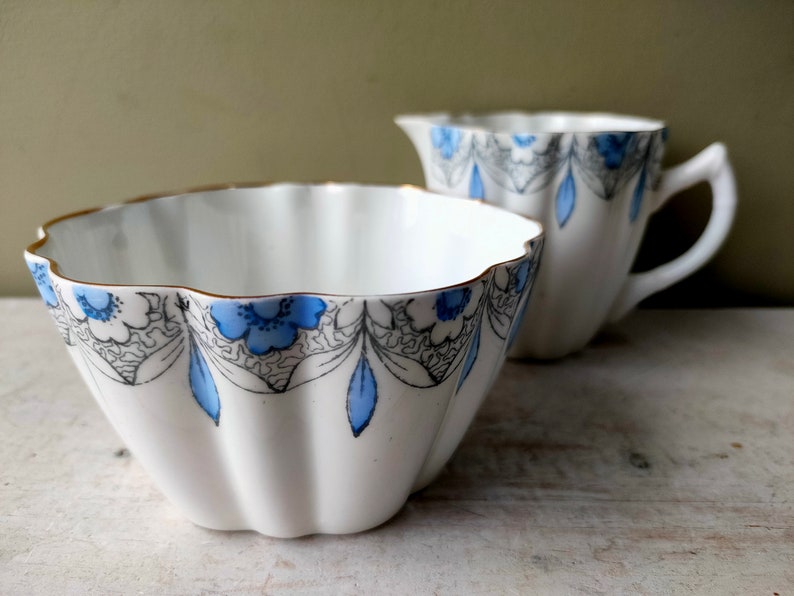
x=418, y=128
x=445, y=151
x=413, y=125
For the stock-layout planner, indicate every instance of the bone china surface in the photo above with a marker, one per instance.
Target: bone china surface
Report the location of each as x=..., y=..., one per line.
x=290, y=359
x=592, y=180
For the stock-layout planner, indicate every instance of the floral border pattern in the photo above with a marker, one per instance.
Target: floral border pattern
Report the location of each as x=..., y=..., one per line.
x=274, y=344
x=525, y=164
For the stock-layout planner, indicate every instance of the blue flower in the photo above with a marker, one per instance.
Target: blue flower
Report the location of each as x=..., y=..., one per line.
x=612, y=147
x=446, y=139
x=451, y=303
x=96, y=304
x=445, y=313
x=267, y=324
x=41, y=276
x=523, y=140
x=110, y=316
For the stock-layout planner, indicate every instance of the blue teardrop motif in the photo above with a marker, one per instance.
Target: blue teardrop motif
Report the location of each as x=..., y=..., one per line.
x=202, y=385
x=636, y=200
x=517, y=321
x=476, y=189
x=471, y=357
x=566, y=199
x=362, y=395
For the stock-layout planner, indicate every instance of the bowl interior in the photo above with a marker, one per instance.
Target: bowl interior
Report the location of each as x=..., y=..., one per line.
x=288, y=238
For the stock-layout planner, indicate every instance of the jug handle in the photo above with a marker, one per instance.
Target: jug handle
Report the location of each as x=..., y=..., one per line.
x=710, y=165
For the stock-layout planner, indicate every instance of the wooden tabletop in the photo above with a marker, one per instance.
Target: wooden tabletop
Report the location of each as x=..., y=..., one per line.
x=660, y=460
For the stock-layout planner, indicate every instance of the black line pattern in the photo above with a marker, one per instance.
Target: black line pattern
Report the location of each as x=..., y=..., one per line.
x=274, y=344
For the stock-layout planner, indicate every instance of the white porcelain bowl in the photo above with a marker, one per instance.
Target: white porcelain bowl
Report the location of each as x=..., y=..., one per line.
x=290, y=359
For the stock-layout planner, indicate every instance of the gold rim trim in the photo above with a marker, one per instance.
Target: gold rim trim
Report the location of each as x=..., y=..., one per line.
x=539, y=238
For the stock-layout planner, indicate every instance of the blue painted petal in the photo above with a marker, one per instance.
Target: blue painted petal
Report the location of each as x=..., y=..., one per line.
x=612, y=147
x=522, y=275
x=471, y=357
x=41, y=276
x=95, y=303
x=476, y=189
x=450, y=304
x=267, y=308
x=446, y=139
x=306, y=311
x=566, y=199
x=230, y=318
x=95, y=297
x=362, y=395
x=437, y=136
x=202, y=385
x=276, y=336
x=636, y=200
x=523, y=140
x=519, y=318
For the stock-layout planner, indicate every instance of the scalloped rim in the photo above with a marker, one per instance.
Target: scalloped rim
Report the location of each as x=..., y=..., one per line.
x=54, y=268
x=447, y=119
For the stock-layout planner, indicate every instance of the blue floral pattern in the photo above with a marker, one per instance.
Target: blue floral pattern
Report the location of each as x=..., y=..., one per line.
x=509, y=294
x=446, y=319
x=108, y=316
x=612, y=147
x=362, y=396
x=446, y=140
x=41, y=276
x=452, y=303
x=524, y=140
x=267, y=324
x=97, y=304
x=476, y=187
x=274, y=344
x=565, y=201
x=522, y=275
x=522, y=163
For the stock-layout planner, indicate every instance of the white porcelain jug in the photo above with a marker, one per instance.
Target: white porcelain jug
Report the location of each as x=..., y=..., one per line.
x=592, y=180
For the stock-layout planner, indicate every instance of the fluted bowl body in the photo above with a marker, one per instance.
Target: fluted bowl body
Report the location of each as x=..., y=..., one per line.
x=289, y=358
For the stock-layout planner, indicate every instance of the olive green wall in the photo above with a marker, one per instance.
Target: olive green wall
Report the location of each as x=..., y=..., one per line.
x=105, y=100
